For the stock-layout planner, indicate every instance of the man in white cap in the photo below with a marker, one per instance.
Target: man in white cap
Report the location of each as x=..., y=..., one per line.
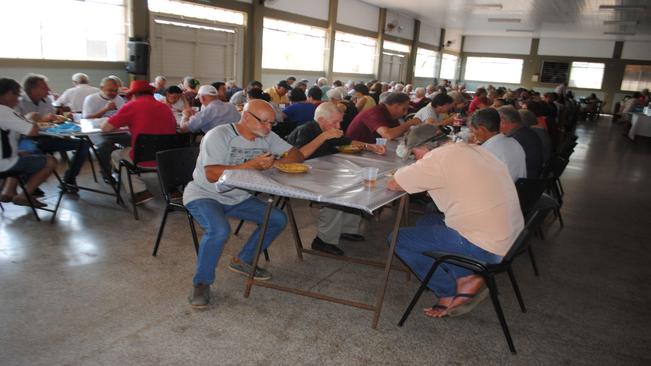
x=213, y=113
x=74, y=97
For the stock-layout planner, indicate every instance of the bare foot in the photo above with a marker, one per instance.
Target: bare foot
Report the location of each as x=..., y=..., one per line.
x=439, y=310
x=469, y=286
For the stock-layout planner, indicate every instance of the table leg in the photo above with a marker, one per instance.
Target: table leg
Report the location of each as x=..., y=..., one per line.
x=294, y=228
x=258, y=248
x=387, y=268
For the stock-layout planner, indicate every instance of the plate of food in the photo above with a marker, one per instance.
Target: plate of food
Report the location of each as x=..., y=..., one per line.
x=293, y=168
x=350, y=149
x=61, y=118
x=44, y=125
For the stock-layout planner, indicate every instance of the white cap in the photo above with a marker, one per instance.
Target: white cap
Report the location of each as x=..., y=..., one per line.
x=207, y=90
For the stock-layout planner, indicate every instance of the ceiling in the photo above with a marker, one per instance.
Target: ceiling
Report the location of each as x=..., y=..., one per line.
x=537, y=18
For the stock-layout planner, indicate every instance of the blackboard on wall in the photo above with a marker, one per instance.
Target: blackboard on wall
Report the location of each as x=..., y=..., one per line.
x=555, y=72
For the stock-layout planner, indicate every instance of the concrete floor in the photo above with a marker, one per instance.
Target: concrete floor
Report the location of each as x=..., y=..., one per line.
x=86, y=291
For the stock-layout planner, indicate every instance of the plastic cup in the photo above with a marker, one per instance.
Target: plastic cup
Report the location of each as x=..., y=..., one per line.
x=380, y=141
x=76, y=117
x=369, y=176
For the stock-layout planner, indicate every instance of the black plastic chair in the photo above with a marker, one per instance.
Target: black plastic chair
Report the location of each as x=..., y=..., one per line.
x=145, y=150
x=487, y=271
x=175, y=169
x=530, y=192
x=18, y=175
x=553, y=171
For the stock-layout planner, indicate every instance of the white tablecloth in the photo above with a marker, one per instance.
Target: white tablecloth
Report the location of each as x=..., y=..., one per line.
x=640, y=125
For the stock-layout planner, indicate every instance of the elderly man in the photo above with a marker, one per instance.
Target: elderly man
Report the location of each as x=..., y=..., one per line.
x=323, y=84
x=36, y=105
x=159, y=84
x=511, y=125
x=278, y=93
x=382, y=120
x=485, y=129
x=248, y=144
x=419, y=100
x=215, y=112
x=436, y=112
x=36, y=168
x=142, y=115
x=529, y=119
x=239, y=98
x=477, y=99
x=222, y=91
x=482, y=219
x=173, y=97
x=318, y=138
x=337, y=96
x=73, y=98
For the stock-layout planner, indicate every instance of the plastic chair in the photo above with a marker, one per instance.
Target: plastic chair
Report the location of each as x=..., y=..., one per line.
x=175, y=169
x=487, y=271
x=18, y=175
x=144, y=151
x=530, y=192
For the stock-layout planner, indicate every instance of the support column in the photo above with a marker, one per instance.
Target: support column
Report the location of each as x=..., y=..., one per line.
x=380, y=42
x=254, y=46
x=330, y=48
x=412, y=54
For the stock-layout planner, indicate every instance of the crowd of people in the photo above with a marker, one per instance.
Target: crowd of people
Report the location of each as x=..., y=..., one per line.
x=512, y=135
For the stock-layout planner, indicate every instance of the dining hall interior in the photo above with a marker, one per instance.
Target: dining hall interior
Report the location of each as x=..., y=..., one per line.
x=331, y=182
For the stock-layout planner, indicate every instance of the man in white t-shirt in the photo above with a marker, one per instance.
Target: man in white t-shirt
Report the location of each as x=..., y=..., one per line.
x=105, y=104
x=36, y=167
x=74, y=97
x=436, y=112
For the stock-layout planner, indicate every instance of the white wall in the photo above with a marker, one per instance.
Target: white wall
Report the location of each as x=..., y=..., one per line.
x=429, y=34
x=358, y=14
x=576, y=47
x=511, y=45
x=637, y=51
x=407, y=24
x=310, y=8
x=453, y=35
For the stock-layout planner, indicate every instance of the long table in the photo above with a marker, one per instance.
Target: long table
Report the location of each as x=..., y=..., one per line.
x=640, y=125
x=333, y=180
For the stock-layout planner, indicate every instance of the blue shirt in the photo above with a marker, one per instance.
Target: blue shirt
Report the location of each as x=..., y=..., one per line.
x=214, y=114
x=300, y=113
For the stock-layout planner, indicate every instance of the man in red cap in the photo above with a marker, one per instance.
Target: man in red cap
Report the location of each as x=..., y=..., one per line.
x=143, y=115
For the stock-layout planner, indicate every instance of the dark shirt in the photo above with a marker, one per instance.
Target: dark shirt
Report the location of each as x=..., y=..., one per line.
x=300, y=113
x=349, y=115
x=364, y=126
x=307, y=132
x=533, y=150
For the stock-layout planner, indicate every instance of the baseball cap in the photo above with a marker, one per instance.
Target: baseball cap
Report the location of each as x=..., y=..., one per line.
x=207, y=90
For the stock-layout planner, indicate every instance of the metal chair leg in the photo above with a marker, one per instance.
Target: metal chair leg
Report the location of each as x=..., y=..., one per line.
x=560, y=218
x=133, y=196
x=266, y=255
x=29, y=198
x=160, y=231
x=533, y=261
x=516, y=289
x=92, y=166
x=194, y=234
x=239, y=226
x=492, y=287
x=420, y=291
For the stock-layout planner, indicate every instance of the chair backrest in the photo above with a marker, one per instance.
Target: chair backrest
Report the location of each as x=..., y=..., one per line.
x=529, y=192
x=555, y=167
x=175, y=168
x=147, y=145
x=522, y=240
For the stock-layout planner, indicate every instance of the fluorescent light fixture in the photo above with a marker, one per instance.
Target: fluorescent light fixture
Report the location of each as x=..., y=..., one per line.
x=504, y=20
x=484, y=6
x=521, y=30
x=620, y=33
x=195, y=26
x=622, y=7
x=621, y=22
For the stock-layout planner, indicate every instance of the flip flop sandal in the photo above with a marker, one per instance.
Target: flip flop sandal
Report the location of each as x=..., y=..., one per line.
x=438, y=306
x=468, y=306
x=6, y=198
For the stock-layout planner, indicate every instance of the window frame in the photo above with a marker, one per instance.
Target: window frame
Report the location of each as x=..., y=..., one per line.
x=646, y=83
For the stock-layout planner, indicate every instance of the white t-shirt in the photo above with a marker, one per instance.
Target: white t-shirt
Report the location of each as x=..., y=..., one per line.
x=17, y=125
x=427, y=112
x=509, y=151
x=74, y=97
x=94, y=102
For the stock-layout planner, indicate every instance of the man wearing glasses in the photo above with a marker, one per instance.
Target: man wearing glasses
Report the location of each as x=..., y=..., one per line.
x=247, y=144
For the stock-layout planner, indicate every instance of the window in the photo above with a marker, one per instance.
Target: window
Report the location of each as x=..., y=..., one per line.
x=292, y=46
x=425, y=66
x=587, y=75
x=502, y=70
x=636, y=77
x=185, y=9
x=448, y=67
x=93, y=30
x=354, y=54
x=398, y=47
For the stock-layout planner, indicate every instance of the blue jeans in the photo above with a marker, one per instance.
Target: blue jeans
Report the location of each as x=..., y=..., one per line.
x=49, y=144
x=211, y=215
x=431, y=234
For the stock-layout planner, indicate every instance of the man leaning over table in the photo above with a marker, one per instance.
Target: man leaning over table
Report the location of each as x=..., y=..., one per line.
x=381, y=120
x=481, y=219
x=319, y=138
x=247, y=144
x=142, y=115
x=215, y=112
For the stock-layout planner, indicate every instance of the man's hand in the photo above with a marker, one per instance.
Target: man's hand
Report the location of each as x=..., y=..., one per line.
x=332, y=134
x=188, y=112
x=378, y=149
x=419, y=152
x=110, y=106
x=392, y=185
x=261, y=162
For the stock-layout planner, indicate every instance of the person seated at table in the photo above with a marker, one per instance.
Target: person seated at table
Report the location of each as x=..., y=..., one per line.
x=231, y=88
x=142, y=115
x=36, y=105
x=279, y=92
x=481, y=219
x=321, y=137
x=220, y=86
x=323, y=84
x=239, y=99
x=190, y=88
x=436, y=112
x=474, y=104
x=74, y=97
x=362, y=99
x=419, y=100
x=35, y=168
x=159, y=84
x=382, y=120
x=302, y=109
x=173, y=97
x=248, y=144
x=511, y=125
x=529, y=119
x=485, y=131
x=214, y=112
x=345, y=106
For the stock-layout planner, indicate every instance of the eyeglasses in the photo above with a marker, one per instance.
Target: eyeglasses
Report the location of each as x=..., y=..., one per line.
x=270, y=123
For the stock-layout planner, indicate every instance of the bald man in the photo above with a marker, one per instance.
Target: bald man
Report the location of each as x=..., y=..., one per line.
x=247, y=144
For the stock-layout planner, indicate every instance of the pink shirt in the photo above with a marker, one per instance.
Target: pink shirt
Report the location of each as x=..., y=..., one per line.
x=473, y=189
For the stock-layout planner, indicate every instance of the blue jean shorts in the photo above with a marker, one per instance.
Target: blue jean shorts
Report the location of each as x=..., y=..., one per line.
x=30, y=164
